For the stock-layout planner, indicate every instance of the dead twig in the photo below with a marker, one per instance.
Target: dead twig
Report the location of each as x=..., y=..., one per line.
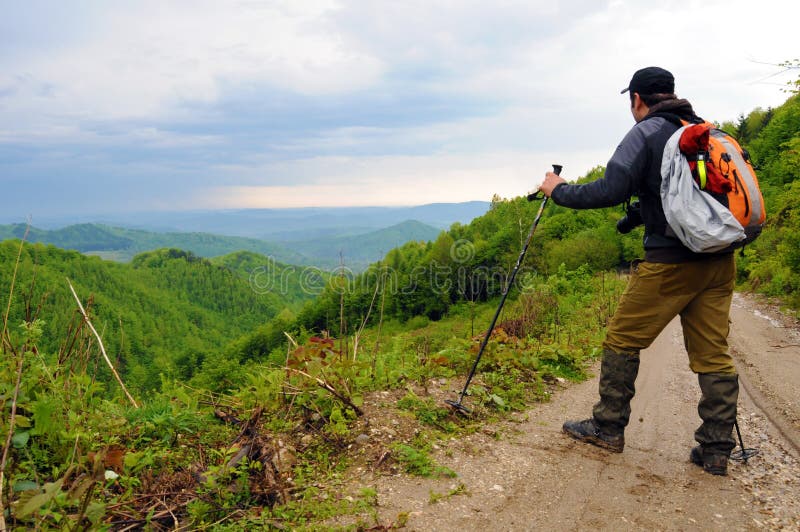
x=325, y=386
x=360, y=330
x=174, y=519
x=142, y=498
x=289, y=336
x=250, y=427
x=214, y=399
x=102, y=348
x=14, y=279
x=382, y=459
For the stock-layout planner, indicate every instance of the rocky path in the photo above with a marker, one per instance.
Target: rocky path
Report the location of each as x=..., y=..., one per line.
x=526, y=475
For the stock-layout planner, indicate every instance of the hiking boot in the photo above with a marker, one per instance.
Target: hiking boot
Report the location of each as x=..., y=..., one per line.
x=587, y=431
x=716, y=464
x=606, y=427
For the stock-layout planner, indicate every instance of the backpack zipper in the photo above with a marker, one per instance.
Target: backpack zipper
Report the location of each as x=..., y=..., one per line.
x=746, y=203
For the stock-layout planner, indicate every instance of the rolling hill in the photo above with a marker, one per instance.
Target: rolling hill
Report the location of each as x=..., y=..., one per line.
x=122, y=244
x=162, y=314
x=358, y=251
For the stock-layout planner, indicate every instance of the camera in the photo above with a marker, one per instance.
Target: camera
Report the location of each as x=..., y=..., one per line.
x=632, y=218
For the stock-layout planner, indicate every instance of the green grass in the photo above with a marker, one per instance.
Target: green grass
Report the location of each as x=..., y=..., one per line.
x=416, y=461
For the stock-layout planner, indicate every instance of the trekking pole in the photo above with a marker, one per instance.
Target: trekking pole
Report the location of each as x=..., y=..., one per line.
x=743, y=454
x=531, y=197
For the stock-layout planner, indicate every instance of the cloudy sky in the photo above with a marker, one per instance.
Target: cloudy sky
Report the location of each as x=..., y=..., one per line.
x=158, y=105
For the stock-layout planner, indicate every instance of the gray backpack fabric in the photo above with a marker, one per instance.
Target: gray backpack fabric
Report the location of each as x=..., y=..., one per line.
x=699, y=221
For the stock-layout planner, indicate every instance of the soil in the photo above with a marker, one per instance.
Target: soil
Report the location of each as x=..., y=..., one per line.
x=525, y=474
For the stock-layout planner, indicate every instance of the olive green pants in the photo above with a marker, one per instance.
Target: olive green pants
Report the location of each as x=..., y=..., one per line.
x=700, y=292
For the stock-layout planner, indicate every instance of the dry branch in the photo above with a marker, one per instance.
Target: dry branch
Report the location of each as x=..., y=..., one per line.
x=357, y=336
x=325, y=386
x=102, y=348
x=13, y=280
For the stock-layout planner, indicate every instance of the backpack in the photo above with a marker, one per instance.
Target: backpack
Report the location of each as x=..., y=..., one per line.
x=709, y=190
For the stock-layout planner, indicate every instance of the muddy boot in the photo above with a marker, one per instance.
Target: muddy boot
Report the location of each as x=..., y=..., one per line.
x=606, y=427
x=717, y=409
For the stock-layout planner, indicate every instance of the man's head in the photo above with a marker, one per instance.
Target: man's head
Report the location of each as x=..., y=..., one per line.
x=651, y=80
x=647, y=87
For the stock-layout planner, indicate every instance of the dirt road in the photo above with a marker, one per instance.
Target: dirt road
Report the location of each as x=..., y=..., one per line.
x=527, y=475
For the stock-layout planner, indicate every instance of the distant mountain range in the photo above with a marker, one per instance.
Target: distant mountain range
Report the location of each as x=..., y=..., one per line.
x=311, y=236
x=284, y=225
x=121, y=244
x=358, y=251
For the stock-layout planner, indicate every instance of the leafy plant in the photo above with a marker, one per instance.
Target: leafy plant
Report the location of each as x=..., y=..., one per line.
x=428, y=412
x=417, y=461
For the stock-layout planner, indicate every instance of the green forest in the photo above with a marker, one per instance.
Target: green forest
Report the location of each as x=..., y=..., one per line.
x=252, y=379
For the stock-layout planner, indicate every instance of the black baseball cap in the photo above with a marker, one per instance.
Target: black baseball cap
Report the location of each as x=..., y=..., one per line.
x=651, y=80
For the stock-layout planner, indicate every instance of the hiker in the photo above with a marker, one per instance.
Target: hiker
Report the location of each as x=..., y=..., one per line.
x=671, y=280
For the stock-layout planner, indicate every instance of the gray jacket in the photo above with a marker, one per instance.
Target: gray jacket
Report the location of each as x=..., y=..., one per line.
x=635, y=170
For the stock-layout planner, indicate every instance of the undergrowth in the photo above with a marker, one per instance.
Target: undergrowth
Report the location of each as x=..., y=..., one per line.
x=271, y=451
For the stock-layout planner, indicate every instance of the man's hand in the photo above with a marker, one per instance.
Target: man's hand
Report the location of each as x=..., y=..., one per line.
x=551, y=181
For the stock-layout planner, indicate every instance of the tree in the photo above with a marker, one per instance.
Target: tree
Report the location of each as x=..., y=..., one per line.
x=793, y=86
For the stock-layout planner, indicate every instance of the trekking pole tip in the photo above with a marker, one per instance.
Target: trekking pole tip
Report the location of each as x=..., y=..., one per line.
x=461, y=409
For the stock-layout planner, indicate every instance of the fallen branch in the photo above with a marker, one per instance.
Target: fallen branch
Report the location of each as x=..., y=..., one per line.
x=227, y=418
x=382, y=459
x=102, y=348
x=325, y=386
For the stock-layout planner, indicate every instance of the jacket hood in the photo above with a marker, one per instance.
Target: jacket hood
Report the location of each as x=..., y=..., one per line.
x=679, y=107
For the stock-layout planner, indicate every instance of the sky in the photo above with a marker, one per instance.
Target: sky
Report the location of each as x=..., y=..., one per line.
x=132, y=106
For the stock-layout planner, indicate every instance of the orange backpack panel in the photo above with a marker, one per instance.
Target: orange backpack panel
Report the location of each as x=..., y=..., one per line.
x=744, y=200
x=728, y=162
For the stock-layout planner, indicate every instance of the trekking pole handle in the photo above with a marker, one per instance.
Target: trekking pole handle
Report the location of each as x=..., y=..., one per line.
x=538, y=194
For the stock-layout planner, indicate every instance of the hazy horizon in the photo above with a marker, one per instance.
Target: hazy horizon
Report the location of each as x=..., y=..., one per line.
x=178, y=219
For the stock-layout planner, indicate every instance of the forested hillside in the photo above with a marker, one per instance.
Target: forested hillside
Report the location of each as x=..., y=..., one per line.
x=161, y=314
x=253, y=395
x=359, y=250
x=122, y=244
x=772, y=264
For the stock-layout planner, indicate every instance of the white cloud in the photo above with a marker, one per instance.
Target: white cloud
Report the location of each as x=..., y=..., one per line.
x=146, y=59
x=541, y=80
